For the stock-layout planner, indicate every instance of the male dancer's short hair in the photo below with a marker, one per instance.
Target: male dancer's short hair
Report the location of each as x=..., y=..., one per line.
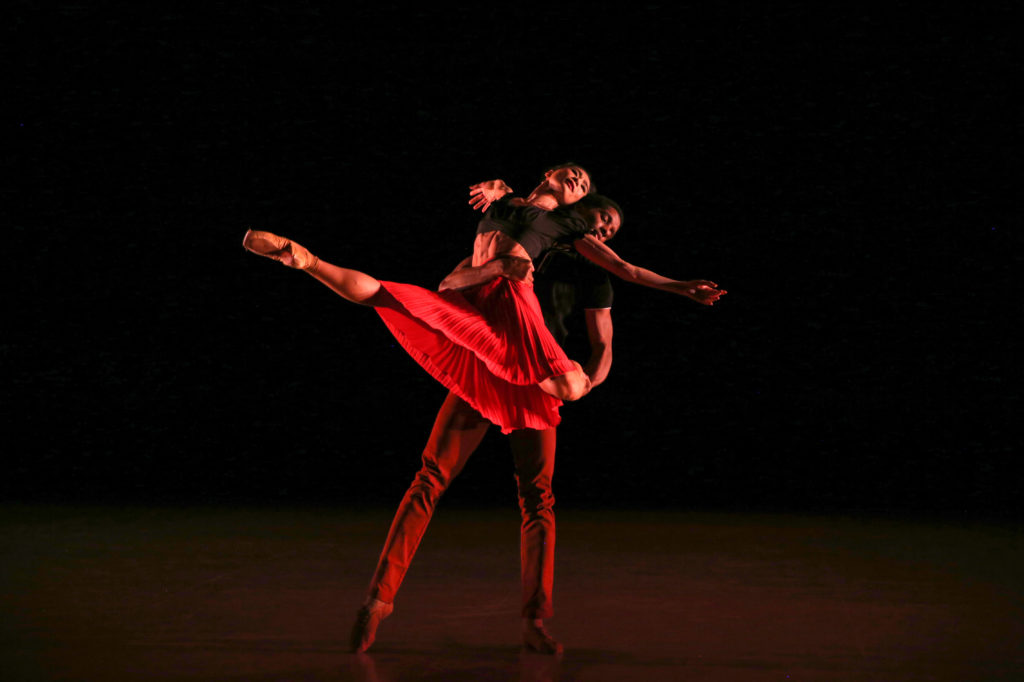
x=594, y=200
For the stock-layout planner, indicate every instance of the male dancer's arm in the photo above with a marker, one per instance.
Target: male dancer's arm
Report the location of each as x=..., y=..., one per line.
x=599, y=334
x=700, y=290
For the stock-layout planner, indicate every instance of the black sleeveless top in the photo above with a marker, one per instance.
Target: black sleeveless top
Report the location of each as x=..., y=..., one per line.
x=567, y=284
x=535, y=229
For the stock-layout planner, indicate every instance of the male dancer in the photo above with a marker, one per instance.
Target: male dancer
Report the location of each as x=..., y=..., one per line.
x=566, y=281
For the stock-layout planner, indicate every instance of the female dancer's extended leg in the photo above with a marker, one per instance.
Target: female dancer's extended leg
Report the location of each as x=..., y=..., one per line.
x=363, y=289
x=351, y=285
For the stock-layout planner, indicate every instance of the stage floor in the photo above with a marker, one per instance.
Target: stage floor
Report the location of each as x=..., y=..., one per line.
x=98, y=594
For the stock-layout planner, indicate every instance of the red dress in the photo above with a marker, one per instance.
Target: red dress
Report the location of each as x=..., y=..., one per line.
x=487, y=344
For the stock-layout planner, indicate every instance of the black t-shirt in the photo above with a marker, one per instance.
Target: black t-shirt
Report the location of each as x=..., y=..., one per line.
x=533, y=228
x=566, y=284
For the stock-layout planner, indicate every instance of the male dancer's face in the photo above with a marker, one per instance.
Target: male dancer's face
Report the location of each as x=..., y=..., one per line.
x=603, y=222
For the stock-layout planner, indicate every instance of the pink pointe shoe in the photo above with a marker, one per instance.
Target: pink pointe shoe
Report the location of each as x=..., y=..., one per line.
x=280, y=249
x=368, y=618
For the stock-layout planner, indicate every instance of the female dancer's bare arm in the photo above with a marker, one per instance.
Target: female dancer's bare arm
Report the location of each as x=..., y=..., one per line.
x=465, y=275
x=599, y=334
x=489, y=247
x=700, y=290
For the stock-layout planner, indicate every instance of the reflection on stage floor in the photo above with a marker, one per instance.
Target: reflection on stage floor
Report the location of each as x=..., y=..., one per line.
x=101, y=593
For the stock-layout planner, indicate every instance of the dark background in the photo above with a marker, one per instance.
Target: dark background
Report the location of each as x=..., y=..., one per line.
x=845, y=175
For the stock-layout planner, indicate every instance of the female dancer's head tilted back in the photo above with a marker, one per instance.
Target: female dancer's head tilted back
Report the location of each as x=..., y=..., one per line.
x=562, y=185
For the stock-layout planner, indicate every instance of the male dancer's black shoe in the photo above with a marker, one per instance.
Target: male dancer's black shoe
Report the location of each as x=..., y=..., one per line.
x=536, y=638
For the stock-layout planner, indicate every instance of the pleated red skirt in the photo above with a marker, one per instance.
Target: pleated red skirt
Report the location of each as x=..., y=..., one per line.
x=488, y=345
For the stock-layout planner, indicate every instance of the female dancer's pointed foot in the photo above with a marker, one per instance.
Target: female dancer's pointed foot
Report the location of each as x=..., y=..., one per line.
x=280, y=249
x=368, y=618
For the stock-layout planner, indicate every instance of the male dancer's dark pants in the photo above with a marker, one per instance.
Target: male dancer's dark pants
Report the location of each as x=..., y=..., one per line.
x=457, y=432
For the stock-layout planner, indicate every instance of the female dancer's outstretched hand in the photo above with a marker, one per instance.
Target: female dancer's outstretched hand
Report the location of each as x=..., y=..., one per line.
x=700, y=290
x=483, y=194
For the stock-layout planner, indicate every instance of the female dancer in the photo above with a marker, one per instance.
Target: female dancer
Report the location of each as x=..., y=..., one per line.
x=488, y=343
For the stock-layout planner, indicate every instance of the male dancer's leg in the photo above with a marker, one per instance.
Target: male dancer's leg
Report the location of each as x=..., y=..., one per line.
x=458, y=430
x=534, y=455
